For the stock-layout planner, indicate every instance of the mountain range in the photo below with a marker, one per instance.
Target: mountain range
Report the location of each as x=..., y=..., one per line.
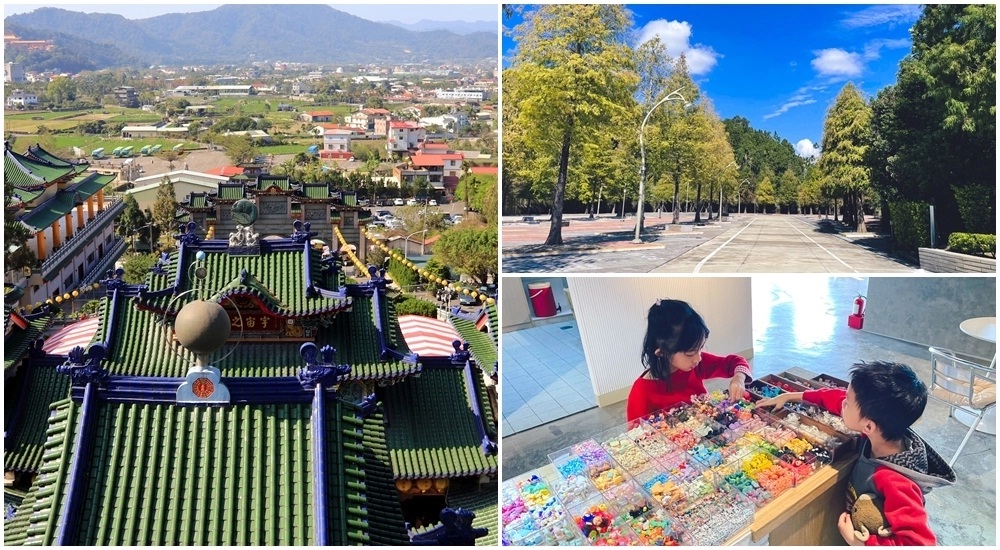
x=255, y=32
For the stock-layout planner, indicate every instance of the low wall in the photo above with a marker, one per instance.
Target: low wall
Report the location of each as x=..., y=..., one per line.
x=942, y=261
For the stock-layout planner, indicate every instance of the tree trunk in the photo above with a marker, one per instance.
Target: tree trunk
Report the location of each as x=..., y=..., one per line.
x=555, y=223
x=677, y=205
x=862, y=227
x=697, y=205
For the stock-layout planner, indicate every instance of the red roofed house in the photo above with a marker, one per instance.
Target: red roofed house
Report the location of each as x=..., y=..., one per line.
x=320, y=128
x=484, y=170
x=337, y=143
x=317, y=116
x=225, y=171
x=442, y=171
x=404, y=136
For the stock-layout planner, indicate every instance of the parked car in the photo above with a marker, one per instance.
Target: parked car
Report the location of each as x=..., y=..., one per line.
x=432, y=202
x=364, y=202
x=467, y=300
x=398, y=202
x=411, y=202
x=383, y=215
x=394, y=223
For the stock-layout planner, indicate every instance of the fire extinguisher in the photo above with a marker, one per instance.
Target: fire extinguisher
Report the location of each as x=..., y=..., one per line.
x=859, y=305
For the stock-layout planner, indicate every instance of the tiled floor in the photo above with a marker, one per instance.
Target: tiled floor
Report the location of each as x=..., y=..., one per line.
x=544, y=375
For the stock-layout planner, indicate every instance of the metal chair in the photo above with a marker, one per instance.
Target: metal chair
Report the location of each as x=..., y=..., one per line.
x=961, y=383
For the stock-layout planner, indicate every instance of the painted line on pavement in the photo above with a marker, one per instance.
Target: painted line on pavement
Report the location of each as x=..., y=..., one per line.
x=821, y=246
x=697, y=268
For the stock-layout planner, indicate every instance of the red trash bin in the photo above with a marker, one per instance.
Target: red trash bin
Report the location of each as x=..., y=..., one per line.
x=542, y=299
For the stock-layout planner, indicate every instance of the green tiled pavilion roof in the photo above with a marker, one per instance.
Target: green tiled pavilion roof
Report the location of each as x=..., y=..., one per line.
x=36, y=521
x=51, y=210
x=89, y=183
x=385, y=521
x=228, y=191
x=27, y=442
x=494, y=320
x=350, y=200
x=418, y=447
x=314, y=191
x=483, y=349
x=170, y=475
x=42, y=155
x=278, y=276
x=17, y=344
x=481, y=500
x=281, y=182
x=28, y=195
x=19, y=170
x=354, y=336
x=346, y=478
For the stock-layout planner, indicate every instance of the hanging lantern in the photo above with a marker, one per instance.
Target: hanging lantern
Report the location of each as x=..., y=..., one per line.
x=490, y=301
x=59, y=299
x=76, y=293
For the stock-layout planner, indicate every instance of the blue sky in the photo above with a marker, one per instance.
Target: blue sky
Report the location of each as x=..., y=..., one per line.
x=475, y=10
x=779, y=66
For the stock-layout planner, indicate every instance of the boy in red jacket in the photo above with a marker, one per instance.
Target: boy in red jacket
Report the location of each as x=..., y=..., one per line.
x=675, y=365
x=882, y=402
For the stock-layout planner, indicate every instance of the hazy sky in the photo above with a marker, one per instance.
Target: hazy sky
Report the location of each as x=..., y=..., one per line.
x=470, y=10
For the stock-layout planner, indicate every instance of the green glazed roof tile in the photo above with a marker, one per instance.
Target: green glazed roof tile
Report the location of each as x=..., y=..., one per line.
x=281, y=182
x=89, y=183
x=385, y=521
x=316, y=191
x=36, y=151
x=468, y=495
x=418, y=447
x=483, y=349
x=27, y=442
x=32, y=167
x=18, y=342
x=36, y=521
x=230, y=191
x=170, y=475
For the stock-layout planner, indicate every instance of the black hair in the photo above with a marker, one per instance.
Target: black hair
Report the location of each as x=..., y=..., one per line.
x=672, y=326
x=890, y=395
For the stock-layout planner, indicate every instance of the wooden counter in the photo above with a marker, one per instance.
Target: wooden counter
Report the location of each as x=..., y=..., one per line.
x=807, y=514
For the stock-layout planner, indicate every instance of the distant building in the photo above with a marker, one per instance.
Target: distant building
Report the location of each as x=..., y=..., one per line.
x=404, y=136
x=369, y=120
x=154, y=131
x=317, y=116
x=13, y=72
x=299, y=88
x=239, y=90
x=23, y=99
x=461, y=93
x=126, y=96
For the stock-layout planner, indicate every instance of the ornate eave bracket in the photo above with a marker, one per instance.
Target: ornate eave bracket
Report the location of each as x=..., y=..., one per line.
x=85, y=368
x=321, y=368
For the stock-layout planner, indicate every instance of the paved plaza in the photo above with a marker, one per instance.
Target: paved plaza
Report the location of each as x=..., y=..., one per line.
x=750, y=243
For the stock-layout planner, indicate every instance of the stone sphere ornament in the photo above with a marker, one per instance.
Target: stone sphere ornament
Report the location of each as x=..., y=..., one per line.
x=202, y=327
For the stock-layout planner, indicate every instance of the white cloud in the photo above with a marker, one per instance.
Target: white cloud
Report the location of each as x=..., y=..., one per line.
x=806, y=149
x=676, y=37
x=795, y=101
x=837, y=62
x=873, y=48
x=882, y=15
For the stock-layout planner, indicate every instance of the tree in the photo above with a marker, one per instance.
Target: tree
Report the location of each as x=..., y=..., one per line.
x=16, y=253
x=137, y=267
x=846, y=134
x=766, y=195
x=470, y=250
x=130, y=220
x=165, y=212
x=571, y=72
x=239, y=149
x=934, y=132
x=788, y=191
x=61, y=90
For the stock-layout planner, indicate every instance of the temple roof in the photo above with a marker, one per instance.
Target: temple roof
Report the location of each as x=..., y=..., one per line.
x=25, y=417
x=482, y=346
x=41, y=155
x=419, y=448
x=26, y=172
x=17, y=342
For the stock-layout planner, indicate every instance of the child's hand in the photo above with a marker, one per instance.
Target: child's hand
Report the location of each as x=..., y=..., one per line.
x=737, y=387
x=774, y=402
x=846, y=528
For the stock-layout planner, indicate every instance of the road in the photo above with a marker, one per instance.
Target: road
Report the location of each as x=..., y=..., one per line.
x=749, y=244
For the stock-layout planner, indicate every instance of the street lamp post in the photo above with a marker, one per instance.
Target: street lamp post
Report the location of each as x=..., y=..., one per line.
x=674, y=95
x=406, y=243
x=739, y=194
x=150, y=226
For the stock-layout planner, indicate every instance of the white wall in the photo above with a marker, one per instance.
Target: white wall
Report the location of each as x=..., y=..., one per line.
x=611, y=315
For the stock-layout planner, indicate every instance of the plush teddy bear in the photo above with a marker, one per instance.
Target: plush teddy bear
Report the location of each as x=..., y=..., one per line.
x=867, y=517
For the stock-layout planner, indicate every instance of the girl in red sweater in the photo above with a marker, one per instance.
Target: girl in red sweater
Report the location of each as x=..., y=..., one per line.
x=675, y=365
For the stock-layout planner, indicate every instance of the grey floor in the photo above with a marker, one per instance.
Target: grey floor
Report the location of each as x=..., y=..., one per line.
x=544, y=375
x=804, y=324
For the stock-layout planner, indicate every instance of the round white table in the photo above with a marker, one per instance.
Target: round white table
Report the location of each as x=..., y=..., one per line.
x=985, y=329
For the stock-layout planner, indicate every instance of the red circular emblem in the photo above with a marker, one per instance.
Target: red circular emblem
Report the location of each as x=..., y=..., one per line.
x=203, y=388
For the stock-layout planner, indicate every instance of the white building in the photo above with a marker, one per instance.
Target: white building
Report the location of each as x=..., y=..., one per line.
x=21, y=98
x=451, y=121
x=337, y=140
x=461, y=93
x=185, y=182
x=13, y=72
x=404, y=135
